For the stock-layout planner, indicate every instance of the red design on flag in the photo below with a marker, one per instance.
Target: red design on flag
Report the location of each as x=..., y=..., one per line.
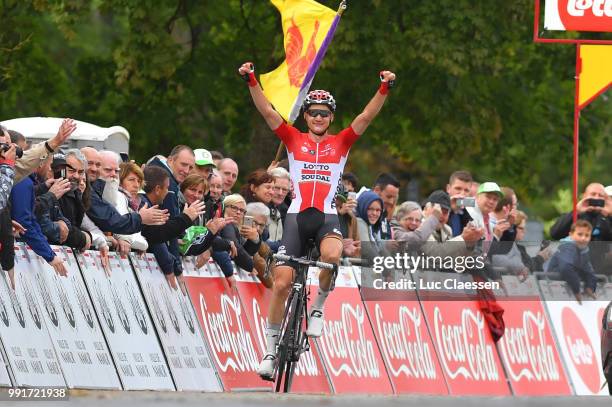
x=297, y=63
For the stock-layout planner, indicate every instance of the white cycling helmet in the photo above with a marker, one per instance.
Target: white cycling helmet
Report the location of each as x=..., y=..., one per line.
x=319, y=97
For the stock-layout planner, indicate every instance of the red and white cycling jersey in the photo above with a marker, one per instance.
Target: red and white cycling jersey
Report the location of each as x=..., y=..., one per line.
x=316, y=168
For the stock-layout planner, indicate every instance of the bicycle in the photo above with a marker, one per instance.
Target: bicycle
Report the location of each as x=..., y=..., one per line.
x=293, y=340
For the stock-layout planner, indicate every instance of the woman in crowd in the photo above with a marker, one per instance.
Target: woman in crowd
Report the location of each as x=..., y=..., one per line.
x=369, y=220
x=245, y=238
x=131, y=180
x=261, y=214
x=259, y=187
x=201, y=235
x=408, y=225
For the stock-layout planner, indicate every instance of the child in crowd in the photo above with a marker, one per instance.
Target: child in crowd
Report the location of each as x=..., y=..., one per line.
x=573, y=261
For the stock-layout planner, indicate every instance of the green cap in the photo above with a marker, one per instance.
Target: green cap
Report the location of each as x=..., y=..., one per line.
x=490, y=187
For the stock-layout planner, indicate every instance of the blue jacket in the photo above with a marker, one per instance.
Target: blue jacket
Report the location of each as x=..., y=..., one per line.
x=106, y=217
x=569, y=257
x=168, y=261
x=22, y=210
x=172, y=204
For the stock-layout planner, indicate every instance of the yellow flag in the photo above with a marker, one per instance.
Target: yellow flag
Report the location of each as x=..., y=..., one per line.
x=306, y=23
x=596, y=72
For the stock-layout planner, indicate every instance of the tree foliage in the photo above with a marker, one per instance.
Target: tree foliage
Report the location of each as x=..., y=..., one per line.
x=473, y=90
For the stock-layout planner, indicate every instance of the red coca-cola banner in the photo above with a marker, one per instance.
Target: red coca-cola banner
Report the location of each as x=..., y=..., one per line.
x=226, y=329
x=406, y=347
x=578, y=15
x=309, y=373
x=467, y=352
x=348, y=347
x=528, y=349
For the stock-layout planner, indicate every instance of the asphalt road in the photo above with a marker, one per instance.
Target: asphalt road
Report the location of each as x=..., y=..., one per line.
x=145, y=399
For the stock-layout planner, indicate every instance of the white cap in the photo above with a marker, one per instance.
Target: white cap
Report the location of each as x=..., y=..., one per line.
x=203, y=157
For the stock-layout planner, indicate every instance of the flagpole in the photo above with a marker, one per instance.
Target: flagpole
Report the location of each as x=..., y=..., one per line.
x=313, y=69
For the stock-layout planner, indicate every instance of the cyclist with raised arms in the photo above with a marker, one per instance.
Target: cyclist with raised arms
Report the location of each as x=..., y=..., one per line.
x=316, y=162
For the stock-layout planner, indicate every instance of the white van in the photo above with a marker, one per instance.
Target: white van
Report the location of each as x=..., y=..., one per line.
x=37, y=129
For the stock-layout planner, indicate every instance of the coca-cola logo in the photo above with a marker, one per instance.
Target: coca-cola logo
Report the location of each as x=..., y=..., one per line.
x=345, y=346
x=464, y=349
x=527, y=352
x=306, y=366
x=581, y=351
x=402, y=344
x=586, y=15
x=227, y=336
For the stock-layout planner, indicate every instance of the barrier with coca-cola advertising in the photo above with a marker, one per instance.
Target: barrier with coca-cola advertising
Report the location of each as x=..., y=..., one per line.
x=460, y=334
x=348, y=346
x=577, y=328
x=226, y=329
x=578, y=15
x=310, y=375
x=528, y=349
x=406, y=346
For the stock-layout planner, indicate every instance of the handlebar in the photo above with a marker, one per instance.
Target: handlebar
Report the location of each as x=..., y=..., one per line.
x=304, y=262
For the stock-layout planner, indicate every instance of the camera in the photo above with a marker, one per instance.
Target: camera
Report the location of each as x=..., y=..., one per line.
x=596, y=202
x=468, y=202
x=4, y=147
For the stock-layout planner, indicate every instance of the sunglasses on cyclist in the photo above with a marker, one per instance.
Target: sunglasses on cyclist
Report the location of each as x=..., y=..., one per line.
x=318, y=112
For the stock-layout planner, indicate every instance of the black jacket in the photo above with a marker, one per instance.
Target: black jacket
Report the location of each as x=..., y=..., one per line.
x=246, y=248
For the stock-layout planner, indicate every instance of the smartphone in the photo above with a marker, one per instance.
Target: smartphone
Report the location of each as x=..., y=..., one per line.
x=545, y=244
x=352, y=195
x=468, y=202
x=124, y=157
x=596, y=202
x=60, y=174
x=247, y=221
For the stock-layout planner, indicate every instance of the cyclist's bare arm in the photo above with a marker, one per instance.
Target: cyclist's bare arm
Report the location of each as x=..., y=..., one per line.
x=361, y=122
x=271, y=116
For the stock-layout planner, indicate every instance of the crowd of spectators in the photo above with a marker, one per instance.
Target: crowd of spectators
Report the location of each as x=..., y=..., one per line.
x=187, y=203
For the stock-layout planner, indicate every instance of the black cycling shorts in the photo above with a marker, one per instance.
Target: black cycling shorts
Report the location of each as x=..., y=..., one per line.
x=300, y=227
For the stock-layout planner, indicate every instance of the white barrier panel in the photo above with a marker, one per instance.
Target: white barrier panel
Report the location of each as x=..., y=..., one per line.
x=29, y=349
x=126, y=323
x=578, y=332
x=73, y=327
x=177, y=326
